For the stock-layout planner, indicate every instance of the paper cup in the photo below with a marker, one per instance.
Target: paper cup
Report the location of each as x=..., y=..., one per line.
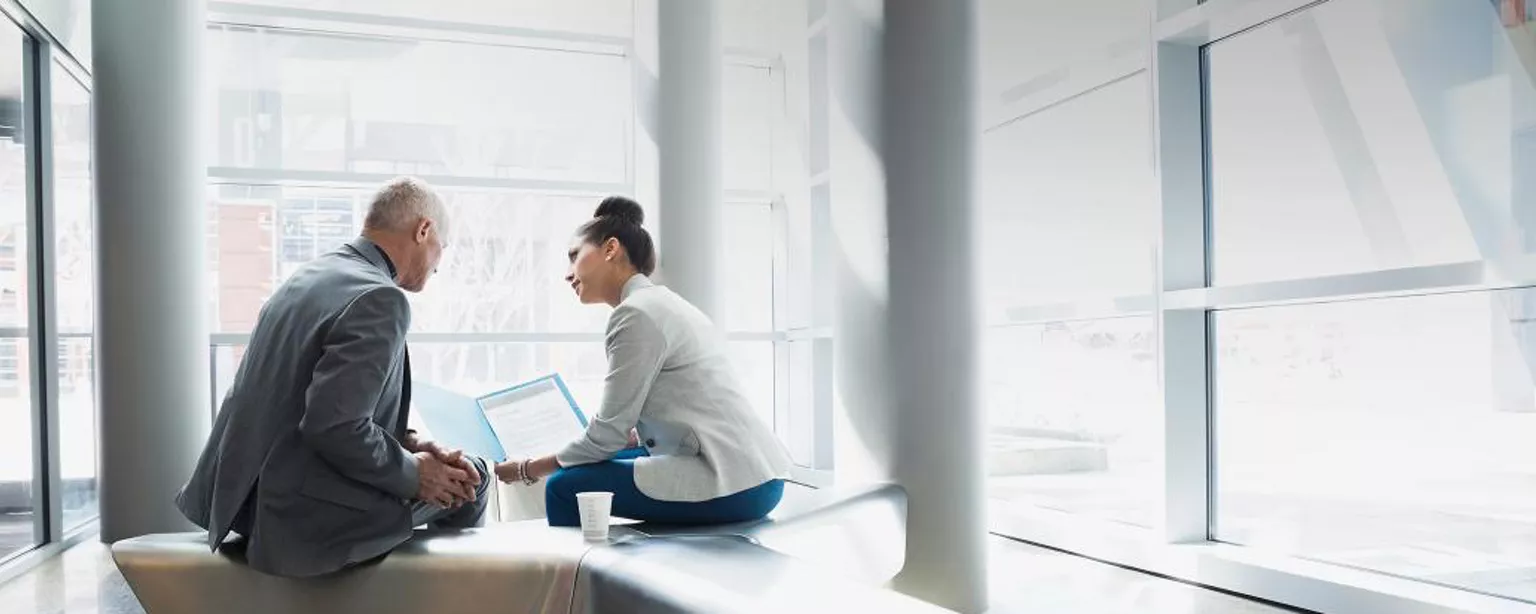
x=595, y=509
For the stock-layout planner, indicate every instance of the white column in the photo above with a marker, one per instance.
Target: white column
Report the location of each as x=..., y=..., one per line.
x=928, y=144
x=689, y=146
x=153, y=337
x=864, y=443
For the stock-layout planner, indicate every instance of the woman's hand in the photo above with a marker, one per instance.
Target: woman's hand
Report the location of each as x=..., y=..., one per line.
x=507, y=472
x=512, y=471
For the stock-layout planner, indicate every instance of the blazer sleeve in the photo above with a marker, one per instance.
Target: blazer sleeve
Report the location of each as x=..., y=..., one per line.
x=348, y=381
x=636, y=350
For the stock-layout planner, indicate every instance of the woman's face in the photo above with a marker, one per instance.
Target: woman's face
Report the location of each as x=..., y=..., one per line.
x=592, y=271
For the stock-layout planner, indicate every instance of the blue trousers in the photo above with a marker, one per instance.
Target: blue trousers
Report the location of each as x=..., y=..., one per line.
x=618, y=477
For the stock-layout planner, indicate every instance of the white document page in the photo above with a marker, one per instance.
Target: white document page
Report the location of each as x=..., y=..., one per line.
x=532, y=421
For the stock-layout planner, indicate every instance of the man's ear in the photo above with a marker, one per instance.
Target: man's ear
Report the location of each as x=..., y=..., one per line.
x=424, y=230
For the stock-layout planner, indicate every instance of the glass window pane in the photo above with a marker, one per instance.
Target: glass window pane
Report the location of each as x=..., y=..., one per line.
x=69, y=21
x=604, y=17
x=503, y=270
x=748, y=284
x=1074, y=418
x=242, y=266
x=1069, y=203
x=18, y=520
x=1028, y=45
x=802, y=406
x=747, y=116
x=75, y=284
x=320, y=102
x=14, y=243
x=77, y=429
x=478, y=368
x=1392, y=435
x=1365, y=135
x=753, y=362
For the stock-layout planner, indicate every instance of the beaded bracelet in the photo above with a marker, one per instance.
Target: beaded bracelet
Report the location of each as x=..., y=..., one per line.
x=522, y=471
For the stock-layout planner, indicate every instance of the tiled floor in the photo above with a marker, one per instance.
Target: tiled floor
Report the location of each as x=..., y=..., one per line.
x=83, y=580
x=1025, y=580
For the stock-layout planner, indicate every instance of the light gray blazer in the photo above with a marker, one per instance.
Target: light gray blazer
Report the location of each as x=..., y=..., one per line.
x=669, y=377
x=305, y=453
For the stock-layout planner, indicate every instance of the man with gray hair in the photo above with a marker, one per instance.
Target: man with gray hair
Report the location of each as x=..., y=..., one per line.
x=310, y=459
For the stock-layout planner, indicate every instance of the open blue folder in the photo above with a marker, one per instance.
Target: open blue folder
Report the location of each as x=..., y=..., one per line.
x=460, y=421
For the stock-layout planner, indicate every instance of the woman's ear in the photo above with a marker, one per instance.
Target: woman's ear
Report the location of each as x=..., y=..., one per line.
x=611, y=249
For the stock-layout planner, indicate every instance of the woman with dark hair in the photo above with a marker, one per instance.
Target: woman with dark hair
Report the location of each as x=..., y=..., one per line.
x=704, y=455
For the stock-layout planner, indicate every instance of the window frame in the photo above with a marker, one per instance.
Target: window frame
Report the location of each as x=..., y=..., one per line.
x=44, y=59
x=238, y=15
x=1182, y=546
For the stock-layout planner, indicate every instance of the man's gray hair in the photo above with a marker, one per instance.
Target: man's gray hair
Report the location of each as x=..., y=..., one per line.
x=402, y=202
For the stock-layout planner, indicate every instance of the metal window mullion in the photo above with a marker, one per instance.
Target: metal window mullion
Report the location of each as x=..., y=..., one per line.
x=818, y=280
x=1164, y=10
x=246, y=14
x=1472, y=276
x=219, y=339
x=1081, y=79
x=41, y=308
x=824, y=392
x=781, y=363
x=33, y=27
x=1077, y=311
x=782, y=375
x=1189, y=23
x=300, y=178
x=213, y=382
x=1178, y=107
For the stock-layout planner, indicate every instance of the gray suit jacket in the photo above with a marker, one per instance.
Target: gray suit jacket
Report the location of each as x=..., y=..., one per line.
x=305, y=457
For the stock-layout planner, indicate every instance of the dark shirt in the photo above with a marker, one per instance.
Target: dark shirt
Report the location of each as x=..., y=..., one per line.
x=387, y=262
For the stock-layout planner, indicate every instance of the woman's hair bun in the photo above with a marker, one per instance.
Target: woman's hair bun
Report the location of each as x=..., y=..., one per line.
x=622, y=209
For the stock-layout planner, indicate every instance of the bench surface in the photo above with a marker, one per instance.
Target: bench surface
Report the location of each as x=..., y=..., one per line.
x=822, y=551
x=522, y=567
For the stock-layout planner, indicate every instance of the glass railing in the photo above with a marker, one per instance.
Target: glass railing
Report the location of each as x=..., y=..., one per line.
x=473, y=366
